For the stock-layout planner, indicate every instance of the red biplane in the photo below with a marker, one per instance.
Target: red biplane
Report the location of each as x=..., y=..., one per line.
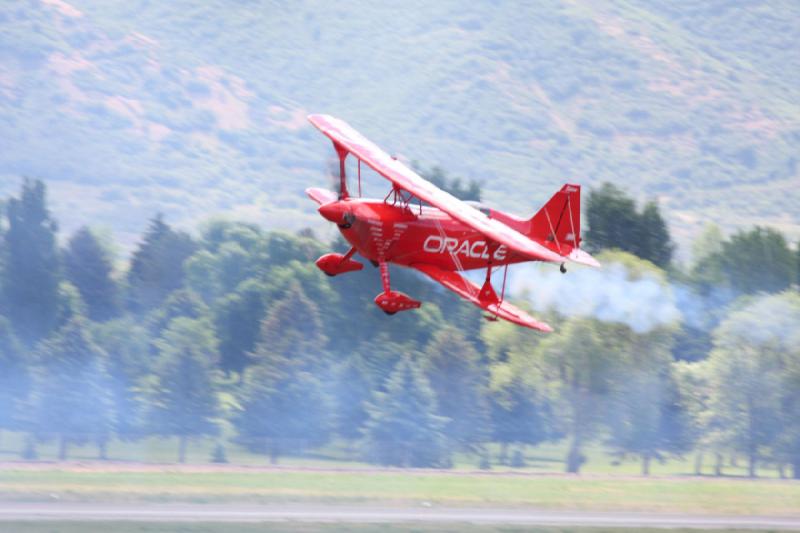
x=439, y=235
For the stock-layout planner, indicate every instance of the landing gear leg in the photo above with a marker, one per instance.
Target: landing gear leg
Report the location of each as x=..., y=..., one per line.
x=387, y=285
x=391, y=301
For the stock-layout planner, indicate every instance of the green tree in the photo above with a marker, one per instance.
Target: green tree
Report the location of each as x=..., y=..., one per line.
x=464, y=190
x=31, y=268
x=283, y=409
x=130, y=362
x=459, y=380
x=611, y=218
x=292, y=329
x=519, y=415
x=157, y=265
x=654, y=243
x=180, y=303
x=614, y=222
x=237, y=318
x=70, y=303
x=284, y=405
x=182, y=397
x=692, y=379
x=283, y=248
x=644, y=417
x=520, y=404
x=88, y=267
x=747, y=373
x=14, y=377
x=581, y=361
x=786, y=309
x=230, y=252
x=403, y=428
x=351, y=394
x=758, y=260
x=71, y=394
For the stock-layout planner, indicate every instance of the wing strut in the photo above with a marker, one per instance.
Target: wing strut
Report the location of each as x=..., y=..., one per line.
x=488, y=293
x=471, y=292
x=359, y=178
x=342, y=152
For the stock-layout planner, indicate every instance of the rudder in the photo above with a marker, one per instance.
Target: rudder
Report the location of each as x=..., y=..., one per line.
x=557, y=224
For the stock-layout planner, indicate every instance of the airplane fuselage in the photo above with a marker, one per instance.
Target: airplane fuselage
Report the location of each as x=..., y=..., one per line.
x=410, y=234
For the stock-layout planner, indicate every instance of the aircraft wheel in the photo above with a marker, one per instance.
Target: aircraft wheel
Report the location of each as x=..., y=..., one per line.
x=563, y=269
x=390, y=313
x=374, y=263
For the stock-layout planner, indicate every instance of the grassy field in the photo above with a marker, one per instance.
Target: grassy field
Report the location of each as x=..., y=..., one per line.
x=545, y=458
x=145, y=471
x=599, y=492
x=145, y=527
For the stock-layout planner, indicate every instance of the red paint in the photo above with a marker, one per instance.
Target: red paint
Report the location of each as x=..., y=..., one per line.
x=442, y=240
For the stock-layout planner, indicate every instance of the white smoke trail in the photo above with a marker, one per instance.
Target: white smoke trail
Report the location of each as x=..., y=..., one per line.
x=608, y=294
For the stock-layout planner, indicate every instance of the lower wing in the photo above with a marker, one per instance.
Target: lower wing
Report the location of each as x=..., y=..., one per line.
x=469, y=291
x=321, y=196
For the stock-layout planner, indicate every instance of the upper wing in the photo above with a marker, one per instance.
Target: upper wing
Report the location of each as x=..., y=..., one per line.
x=405, y=178
x=469, y=291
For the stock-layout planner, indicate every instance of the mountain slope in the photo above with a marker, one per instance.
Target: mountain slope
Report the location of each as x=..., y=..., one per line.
x=195, y=109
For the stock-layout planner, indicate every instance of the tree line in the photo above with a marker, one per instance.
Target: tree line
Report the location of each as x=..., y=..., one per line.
x=233, y=333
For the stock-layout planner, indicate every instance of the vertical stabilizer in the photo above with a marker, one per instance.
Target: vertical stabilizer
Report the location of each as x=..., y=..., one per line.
x=557, y=225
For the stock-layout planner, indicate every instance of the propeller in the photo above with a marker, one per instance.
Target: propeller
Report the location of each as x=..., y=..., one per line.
x=332, y=170
x=337, y=212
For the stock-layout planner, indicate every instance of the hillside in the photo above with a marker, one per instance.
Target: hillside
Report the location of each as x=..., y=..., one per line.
x=197, y=109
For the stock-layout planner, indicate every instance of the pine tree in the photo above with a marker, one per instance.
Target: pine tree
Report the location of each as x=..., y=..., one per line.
x=88, y=267
x=352, y=392
x=31, y=268
x=614, y=222
x=283, y=409
x=237, y=318
x=284, y=404
x=183, y=400
x=14, y=377
x=157, y=265
x=403, y=428
x=654, y=243
x=611, y=219
x=453, y=368
x=71, y=394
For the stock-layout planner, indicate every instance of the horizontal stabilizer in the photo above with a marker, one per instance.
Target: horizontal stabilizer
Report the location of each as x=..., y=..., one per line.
x=583, y=258
x=469, y=291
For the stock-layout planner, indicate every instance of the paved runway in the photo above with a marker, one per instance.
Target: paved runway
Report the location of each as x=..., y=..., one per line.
x=374, y=514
